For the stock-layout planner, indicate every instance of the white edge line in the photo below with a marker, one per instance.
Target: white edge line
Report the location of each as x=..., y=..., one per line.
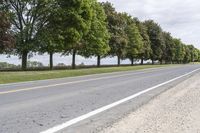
x=102, y=109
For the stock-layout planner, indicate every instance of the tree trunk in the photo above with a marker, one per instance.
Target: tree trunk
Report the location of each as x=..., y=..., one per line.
x=153, y=62
x=74, y=59
x=24, y=60
x=142, y=61
x=51, y=60
x=98, y=61
x=161, y=62
x=118, y=61
x=132, y=61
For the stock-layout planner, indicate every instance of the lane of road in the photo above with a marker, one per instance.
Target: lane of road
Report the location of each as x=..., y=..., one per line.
x=37, y=106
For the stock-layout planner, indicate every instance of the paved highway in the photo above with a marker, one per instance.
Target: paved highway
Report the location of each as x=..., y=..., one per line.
x=82, y=104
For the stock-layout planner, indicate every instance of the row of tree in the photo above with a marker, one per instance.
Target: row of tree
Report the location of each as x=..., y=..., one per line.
x=87, y=28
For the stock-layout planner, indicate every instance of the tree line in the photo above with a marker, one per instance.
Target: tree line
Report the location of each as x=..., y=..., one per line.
x=87, y=28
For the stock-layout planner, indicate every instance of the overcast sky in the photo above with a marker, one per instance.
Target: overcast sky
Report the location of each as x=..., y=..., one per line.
x=179, y=17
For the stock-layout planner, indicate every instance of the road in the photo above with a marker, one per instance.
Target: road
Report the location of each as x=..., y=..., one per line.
x=34, y=107
x=174, y=111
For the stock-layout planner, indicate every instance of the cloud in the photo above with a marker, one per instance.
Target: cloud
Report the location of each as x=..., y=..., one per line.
x=179, y=17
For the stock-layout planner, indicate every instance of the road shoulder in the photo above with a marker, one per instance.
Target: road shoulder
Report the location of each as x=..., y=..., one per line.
x=176, y=110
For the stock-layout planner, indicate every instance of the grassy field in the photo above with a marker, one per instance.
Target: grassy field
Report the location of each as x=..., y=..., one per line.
x=12, y=77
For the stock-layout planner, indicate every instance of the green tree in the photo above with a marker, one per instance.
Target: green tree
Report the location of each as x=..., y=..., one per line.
x=135, y=40
x=169, y=51
x=155, y=34
x=48, y=38
x=193, y=52
x=6, y=38
x=146, y=50
x=198, y=55
x=116, y=26
x=179, y=51
x=49, y=41
x=96, y=42
x=188, y=56
x=28, y=16
x=74, y=19
x=33, y=64
x=4, y=65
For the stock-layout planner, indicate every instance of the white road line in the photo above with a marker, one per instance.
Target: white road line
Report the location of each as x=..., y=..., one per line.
x=102, y=109
x=72, y=82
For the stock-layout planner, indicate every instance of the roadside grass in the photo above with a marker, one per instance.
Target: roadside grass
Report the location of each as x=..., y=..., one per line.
x=195, y=63
x=13, y=77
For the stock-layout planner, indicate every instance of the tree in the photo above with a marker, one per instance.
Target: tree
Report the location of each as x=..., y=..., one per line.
x=116, y=26
x=135, y=42
x=193, y=53
x=49, y=42
x=169, y=51
x=146, y=50
x=28, y=16
x=4, y=65
x=6, y=38
x=34, y=64
x=179, y=51
x=196, y=54
x=48, y=38
x=96, y=42
x=74, y=19
x=187, y=57
x=155, y=35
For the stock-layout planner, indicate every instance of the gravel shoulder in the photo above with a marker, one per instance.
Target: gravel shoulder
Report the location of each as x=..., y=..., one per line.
x=175, y=111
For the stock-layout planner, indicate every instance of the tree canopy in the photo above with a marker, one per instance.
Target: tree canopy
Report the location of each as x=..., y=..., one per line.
x=87, y=28
x=155, y=35
x=135, y=40
x=116, y=25
x=27, y=18
x=95, y=43
x=6, y=38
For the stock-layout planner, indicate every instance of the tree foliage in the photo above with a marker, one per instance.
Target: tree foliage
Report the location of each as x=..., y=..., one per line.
x=179, y=51
x=95, y=43
x=155, y=35
x=146, y=50
x=135, y=40
x=116, y=25
x=27, y=17
x=169, y=51
x=86, y=28
x=74, y=17
x=6, y=38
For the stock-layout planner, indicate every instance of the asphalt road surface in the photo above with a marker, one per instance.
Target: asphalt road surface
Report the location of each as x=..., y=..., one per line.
x=82, y=104
x=174, y=111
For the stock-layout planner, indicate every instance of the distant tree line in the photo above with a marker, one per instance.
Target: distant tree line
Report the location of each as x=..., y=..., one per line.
x=87, y=28
x=4, y=65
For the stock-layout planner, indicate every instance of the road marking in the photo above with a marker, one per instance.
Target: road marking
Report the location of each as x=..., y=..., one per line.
x=107, y=107
x=72, y=82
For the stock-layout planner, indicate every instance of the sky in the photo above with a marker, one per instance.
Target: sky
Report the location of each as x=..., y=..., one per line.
x=179, y=17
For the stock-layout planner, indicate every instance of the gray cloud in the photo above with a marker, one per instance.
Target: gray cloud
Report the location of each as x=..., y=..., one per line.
x=179, y=17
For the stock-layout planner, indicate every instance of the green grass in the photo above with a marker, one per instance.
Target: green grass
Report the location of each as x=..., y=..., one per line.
x=195, y=63
x=12, y=77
